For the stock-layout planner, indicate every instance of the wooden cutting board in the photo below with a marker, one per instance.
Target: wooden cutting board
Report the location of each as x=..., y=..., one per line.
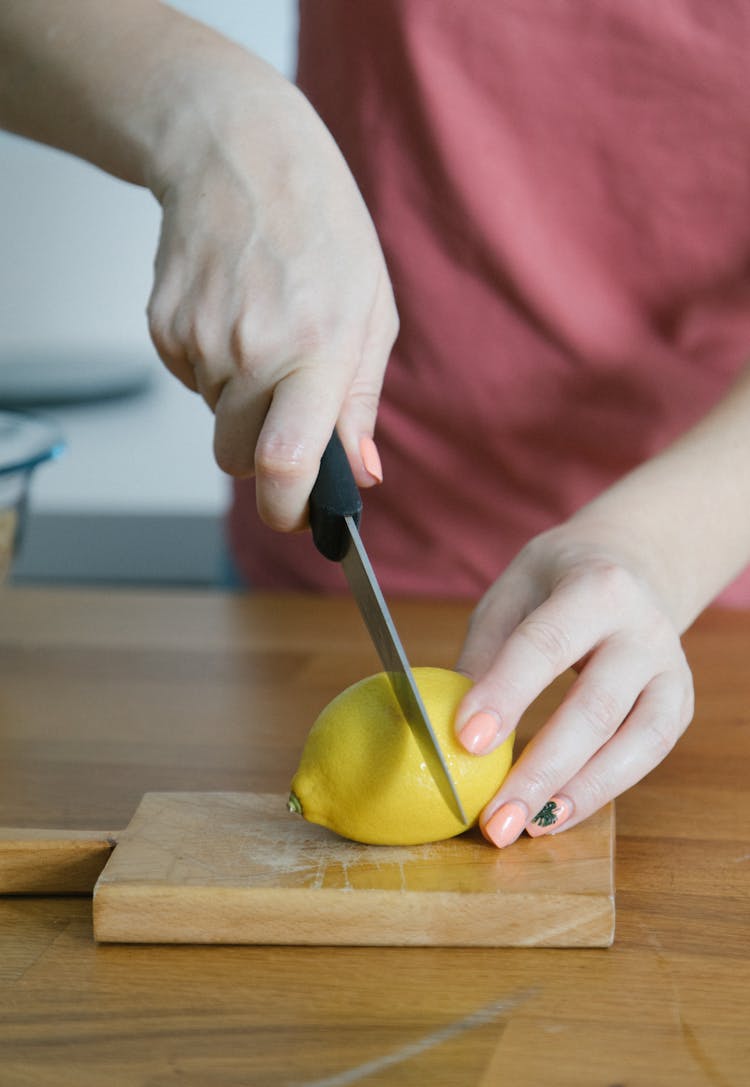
x=237, y=868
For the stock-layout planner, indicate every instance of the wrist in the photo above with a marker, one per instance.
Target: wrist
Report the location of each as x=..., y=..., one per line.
x=212, y=104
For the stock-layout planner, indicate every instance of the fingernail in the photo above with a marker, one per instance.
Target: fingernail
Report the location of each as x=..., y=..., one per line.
x=506, y=824
x=479, y=732
x=368, y=451
x=550, y=817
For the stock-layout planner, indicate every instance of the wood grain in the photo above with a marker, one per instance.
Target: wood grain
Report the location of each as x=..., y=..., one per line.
x=106, y=695
x=238, y=868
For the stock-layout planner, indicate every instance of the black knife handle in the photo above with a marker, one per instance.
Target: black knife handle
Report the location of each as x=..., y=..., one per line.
x=334, y=497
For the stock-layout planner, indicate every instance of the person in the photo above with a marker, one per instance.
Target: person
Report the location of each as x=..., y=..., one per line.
x=559, y=195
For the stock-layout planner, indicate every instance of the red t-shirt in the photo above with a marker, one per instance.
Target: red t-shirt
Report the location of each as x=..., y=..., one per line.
x=562, y=191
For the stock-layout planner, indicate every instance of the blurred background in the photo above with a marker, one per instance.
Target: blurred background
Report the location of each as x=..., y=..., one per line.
x=136, y=497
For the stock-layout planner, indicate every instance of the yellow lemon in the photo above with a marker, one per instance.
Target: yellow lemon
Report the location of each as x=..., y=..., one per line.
x=362, y=775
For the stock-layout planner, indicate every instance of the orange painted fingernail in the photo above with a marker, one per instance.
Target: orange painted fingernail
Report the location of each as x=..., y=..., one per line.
x=368, y=451
x=506, y=824
x=479, y=732
x=550, y=817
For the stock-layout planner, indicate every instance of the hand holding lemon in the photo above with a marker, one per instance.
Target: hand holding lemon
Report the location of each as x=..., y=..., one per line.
x=362, y=775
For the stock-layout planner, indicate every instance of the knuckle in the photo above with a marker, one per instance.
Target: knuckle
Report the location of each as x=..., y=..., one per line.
x=241, y=338
x=244, y=346
x=313, y=336
x=661, y=634
x=660, y=734
x=541, y=782
x=314, y=324
x=160, y=330
x=548, y=639
x=594, y=792
x=364, y=397
x=608, y=583
x=686, y=693
x=165, y=347
x=391, y=324
x=500, y=690
x=284, y=462
x=235, y=462
x=612, y=582
x=599, y=709
x=156, y=320
x=204, y=337
x=257, y=350
x=158, y=311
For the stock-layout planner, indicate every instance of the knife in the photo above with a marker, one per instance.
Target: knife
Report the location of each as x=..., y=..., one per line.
x=335, y=512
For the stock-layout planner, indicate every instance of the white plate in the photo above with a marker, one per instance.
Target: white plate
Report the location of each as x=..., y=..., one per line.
x=30, y=377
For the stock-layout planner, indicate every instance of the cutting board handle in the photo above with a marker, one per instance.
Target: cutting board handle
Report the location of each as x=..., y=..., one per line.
x=49, y=862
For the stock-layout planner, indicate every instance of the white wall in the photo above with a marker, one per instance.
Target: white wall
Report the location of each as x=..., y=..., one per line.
x=76, y=249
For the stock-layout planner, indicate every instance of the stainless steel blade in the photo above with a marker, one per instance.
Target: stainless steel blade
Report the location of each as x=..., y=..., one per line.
x=364, y=585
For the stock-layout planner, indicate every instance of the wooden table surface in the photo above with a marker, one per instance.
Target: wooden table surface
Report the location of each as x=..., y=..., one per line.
x=107, y=695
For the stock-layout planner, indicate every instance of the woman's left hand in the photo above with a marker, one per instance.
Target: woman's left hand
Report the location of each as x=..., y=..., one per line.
x=566, y=602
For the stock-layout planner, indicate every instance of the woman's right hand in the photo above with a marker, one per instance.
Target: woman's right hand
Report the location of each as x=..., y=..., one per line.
x=271, y=296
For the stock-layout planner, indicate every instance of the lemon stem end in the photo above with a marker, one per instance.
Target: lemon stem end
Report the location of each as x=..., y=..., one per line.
x=294, y=804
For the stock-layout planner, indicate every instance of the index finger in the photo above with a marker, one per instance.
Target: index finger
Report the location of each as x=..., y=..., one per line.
x=285, y=446
x=552, y=638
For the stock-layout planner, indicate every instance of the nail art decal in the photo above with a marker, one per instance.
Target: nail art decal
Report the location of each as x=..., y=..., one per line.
x=553, y=814
x=547, y=817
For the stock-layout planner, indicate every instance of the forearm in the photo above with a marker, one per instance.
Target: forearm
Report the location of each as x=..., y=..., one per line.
x=684, y=515
x=117, y=84
x=608, y=593
x=271, y=297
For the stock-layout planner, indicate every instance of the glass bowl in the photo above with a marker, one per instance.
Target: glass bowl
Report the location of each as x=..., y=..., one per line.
x=26, y=441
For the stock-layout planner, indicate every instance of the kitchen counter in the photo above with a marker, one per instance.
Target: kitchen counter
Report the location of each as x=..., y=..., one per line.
x=107, y=695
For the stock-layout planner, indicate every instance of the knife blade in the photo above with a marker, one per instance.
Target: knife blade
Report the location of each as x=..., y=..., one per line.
x=335, y=513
